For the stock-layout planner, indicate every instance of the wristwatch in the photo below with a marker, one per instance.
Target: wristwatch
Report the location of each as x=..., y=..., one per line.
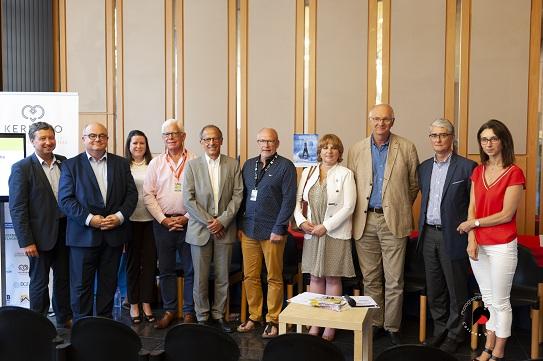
x=476, y=223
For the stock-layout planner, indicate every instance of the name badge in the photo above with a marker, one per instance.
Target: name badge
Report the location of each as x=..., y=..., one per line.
x=254, y=193
x=177, y=187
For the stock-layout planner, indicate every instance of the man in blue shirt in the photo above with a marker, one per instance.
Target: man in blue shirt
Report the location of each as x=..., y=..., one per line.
x=385, y=169
x=269, y=198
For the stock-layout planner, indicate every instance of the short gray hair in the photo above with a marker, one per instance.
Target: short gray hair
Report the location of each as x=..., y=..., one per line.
x=442, y=123
x=175, y=122
x=445, y=123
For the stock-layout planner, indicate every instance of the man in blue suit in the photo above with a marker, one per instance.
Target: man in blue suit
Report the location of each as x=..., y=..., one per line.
x=445, y=186
x=98, y=194
x=38, y=223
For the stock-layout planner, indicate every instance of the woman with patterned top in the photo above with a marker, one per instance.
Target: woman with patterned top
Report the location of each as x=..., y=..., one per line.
x=496, y=191
x=330, y=191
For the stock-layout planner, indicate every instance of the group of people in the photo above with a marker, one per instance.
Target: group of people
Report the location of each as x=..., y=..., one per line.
x=76, y=216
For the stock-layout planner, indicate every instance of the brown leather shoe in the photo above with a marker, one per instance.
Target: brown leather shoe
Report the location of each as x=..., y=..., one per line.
x=166, y=320
x=189, y=318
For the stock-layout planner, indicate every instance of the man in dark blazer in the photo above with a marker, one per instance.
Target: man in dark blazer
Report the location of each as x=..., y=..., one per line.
x=39, y=225
x=445, y=186
x=98, y=194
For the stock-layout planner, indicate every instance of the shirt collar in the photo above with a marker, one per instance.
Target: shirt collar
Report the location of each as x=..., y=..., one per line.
x=90, y=157
x=385, y=144
x=43, y=161
x=212, y=161
x=447, y=160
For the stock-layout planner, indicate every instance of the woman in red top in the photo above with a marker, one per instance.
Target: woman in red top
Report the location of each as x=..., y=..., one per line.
x=496, y=190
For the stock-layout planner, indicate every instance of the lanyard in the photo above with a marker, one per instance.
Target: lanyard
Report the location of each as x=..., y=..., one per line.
x=177, y=174
x=263, y=171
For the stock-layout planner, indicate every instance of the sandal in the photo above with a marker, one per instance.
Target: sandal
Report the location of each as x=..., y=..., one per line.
x=135, y=319
x=248, y=326
x=271, y=330
x=488, y=351
x=497, y=358
x=149, y=318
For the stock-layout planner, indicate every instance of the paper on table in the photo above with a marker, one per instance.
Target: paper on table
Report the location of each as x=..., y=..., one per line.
x=306, y=297
x=365, y=301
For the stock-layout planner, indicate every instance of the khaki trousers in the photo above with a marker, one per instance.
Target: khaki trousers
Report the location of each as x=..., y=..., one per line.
x=380, y=254
x=253, y=252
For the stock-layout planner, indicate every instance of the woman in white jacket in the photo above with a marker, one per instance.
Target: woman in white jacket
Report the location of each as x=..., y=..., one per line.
x=330, y=191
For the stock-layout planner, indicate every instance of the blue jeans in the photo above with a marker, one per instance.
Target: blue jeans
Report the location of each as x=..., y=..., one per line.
x=168, y=245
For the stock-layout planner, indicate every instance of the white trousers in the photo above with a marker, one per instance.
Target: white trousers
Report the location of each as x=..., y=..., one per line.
x=494, y=273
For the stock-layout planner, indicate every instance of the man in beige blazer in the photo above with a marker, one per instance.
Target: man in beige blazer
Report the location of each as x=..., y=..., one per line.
x=212, y=193
x=385, y=170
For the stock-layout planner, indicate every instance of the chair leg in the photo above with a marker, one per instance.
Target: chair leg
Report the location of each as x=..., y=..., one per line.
x=475, y=327
x=356, y=292
x=290, y=291
x=227, y=306
x=422, y=318
x=243, y=315
x=300, y=278
x=540, y=295
x=180, y=285
x=534, y=349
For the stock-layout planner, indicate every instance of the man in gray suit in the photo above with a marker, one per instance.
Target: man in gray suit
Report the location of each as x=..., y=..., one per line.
x=212, y=193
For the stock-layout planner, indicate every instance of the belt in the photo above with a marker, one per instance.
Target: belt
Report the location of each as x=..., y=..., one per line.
x=375, y=210
x=172, y=215
x=437, y=227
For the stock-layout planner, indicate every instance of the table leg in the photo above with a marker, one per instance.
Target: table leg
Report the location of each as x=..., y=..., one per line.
x=282, y=328
x=367, y=340
x=357, y=346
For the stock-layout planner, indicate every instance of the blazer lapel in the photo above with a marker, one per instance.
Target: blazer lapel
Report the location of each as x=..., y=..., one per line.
x=38, y=171
x=110, y=176
x=391, y=158
x=448, y=177
x=222, y=177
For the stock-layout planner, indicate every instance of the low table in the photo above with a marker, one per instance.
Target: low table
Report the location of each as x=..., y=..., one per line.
x=357, y=319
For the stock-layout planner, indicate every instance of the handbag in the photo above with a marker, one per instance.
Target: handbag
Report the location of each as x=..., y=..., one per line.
x=304, y=204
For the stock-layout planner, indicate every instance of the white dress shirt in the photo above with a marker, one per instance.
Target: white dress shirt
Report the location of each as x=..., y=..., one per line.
x=213, y=166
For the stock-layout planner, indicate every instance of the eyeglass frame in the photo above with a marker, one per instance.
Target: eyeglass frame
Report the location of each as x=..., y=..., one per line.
x=211, y=139
x=492, y=140
x=265, y=141
x=93, y=136
x=435, y=136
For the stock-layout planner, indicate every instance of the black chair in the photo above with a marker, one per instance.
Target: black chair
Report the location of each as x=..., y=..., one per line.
x=414, y=353
x=524, y=292
x=193, y=342
x=99, y=338
x=26, y=335
x=415, y=282
x=301, y=346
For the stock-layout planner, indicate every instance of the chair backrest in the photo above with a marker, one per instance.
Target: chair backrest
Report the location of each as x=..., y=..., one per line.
x=527, y=272
x=99, y=338
x=19, y=328
x=298, y=346
x=193, y=342
x=414, y=353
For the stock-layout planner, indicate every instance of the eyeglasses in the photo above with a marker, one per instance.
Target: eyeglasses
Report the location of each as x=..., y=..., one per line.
x=93, y=136
x=210, y=140
x=265, y=142
x=492, y=140
x=382, y=120
x=436, y=136
x=171, y=134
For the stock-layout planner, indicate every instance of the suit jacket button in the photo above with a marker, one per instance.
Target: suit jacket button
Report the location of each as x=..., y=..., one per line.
x=367, y=198
x=365, y=211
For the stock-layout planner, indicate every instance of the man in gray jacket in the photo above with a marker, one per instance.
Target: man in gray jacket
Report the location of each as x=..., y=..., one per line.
x=212, y=193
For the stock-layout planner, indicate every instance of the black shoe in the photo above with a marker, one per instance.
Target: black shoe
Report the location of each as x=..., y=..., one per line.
x=450, y=345
x=395, y=337
x=205, y=323
x=223, y=325
x=378, y=332
x=435, y=340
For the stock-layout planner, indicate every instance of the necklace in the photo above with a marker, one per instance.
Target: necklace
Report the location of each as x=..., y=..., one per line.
x=138, y=164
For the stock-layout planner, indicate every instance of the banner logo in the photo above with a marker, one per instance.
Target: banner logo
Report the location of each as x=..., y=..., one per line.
x=33, y=112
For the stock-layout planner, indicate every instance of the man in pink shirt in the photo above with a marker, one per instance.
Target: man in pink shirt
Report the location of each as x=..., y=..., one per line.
x=163, y=197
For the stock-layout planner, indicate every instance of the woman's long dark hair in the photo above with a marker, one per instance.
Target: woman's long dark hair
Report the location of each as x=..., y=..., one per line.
x=504, y=135
x=133, y=133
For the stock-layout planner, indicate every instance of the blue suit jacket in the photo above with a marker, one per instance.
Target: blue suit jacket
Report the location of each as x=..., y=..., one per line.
x=454, y=202
x=32, y=204
x=79, y=196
